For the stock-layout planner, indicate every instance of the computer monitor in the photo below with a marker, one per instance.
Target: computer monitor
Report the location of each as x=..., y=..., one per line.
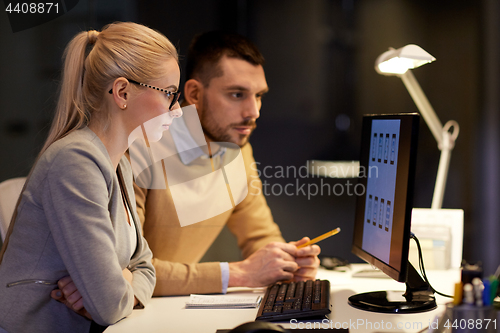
x=383, y=212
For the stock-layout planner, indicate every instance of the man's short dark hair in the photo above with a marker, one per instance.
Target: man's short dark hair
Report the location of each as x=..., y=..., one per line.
x=207, y=49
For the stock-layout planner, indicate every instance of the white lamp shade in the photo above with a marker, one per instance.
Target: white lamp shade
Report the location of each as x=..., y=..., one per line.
x=397, y=62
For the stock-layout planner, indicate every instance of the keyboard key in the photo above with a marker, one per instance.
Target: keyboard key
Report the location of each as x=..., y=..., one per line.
x=278, y=308
x=290, y=308
x=290, y=294
x=282, y=293
x=317, y=291
x=300, y=290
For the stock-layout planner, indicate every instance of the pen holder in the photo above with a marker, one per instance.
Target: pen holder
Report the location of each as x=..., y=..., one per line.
x=470, y=319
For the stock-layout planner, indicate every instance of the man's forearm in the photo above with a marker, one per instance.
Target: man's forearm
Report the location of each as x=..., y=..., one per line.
x=183, y=279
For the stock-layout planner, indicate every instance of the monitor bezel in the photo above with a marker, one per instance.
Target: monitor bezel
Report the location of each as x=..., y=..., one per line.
x=405, y=178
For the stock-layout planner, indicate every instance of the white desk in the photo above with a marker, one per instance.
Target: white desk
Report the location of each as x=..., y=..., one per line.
x=168, y=314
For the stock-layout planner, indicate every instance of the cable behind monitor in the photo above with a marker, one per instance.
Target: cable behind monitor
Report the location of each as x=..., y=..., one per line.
x=422, y=268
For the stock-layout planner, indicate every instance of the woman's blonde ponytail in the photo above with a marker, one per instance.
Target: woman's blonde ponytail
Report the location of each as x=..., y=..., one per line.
x=70, y=111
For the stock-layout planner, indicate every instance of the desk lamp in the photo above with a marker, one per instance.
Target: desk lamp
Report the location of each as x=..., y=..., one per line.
x=398, y=62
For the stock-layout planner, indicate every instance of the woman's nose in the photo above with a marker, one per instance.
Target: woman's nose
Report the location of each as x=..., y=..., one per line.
x=176, y=112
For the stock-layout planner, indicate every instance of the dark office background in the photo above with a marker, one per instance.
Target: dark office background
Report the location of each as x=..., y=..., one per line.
x=320, y=58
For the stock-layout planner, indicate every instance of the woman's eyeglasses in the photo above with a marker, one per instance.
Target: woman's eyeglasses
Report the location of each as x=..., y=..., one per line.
x=174, y=95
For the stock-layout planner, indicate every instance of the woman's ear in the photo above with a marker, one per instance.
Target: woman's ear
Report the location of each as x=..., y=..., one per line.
x=192, y=91
x=121, y=87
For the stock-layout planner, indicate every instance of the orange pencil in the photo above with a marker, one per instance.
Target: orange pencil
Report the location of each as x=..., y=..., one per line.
x=320, y=238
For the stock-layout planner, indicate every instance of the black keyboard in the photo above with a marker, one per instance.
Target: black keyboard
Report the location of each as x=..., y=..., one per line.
x=293, y=300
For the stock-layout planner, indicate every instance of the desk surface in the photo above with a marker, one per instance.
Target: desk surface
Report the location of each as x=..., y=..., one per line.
x=168, y=314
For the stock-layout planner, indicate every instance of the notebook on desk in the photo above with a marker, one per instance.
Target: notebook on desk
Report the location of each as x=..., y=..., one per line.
x=222, y=302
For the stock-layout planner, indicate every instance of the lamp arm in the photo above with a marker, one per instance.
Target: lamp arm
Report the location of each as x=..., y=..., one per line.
x=442, y=174
x=443, y=136
x=423, y=106
x=448, y=143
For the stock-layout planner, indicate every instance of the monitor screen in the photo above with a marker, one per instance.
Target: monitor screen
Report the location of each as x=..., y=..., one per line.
x=383, y=212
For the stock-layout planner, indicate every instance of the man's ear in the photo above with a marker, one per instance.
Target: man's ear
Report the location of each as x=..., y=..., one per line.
x=193, y=90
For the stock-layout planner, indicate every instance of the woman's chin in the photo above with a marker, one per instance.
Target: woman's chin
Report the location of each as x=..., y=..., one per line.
x=155, y=137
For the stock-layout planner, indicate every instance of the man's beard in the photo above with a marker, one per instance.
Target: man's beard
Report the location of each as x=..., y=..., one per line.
x=220, y=135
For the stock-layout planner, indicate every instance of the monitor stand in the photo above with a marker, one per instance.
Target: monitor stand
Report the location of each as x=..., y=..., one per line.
x=418, y=297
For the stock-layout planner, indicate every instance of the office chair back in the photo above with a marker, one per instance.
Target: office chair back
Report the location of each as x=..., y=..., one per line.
x=9, y=193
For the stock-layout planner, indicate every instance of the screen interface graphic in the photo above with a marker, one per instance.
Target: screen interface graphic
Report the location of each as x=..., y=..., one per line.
x=381, y=186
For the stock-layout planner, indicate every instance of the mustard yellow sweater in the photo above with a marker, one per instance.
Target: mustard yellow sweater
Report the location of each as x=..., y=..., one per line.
x=177, y=250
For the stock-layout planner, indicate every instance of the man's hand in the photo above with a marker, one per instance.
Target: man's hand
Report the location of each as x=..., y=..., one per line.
x=273, y=262
x=276, y=262
x=69, y=295
x=307, y=259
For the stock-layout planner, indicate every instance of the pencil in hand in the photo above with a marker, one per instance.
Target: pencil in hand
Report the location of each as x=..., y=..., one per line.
x=320, y=238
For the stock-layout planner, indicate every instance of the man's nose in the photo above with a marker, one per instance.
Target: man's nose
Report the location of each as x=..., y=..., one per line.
x=252, y=108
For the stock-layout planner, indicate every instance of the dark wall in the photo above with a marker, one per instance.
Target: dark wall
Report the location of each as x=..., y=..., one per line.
x=319, y=66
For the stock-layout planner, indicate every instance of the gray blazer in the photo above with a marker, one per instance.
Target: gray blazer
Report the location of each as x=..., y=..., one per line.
x=71, y=221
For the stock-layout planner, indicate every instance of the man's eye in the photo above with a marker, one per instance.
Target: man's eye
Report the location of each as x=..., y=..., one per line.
x=237, y=95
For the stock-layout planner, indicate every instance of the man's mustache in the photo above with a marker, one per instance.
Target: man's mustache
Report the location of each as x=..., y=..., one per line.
x=249, y=122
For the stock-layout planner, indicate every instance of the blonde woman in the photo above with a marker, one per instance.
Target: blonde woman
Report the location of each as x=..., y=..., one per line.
x=76, y=223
